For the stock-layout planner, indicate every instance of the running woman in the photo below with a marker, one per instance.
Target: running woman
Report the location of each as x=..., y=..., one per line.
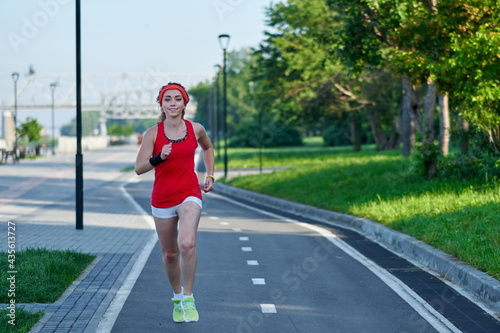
x=176, y=200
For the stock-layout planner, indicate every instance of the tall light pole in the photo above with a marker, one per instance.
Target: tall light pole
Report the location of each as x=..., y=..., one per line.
x=79, y=156
x=224, y=43
x=15, y=77
x=53, y=88
x=216, y=113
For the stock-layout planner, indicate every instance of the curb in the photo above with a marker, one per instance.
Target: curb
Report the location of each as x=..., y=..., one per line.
x=479, y=284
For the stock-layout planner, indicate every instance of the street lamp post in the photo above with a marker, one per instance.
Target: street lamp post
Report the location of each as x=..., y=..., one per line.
x=15, y=77
x=79, y=155
x=53, y=87
x=224, y=43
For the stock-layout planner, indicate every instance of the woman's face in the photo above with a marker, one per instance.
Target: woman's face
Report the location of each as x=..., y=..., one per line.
x=173, y=103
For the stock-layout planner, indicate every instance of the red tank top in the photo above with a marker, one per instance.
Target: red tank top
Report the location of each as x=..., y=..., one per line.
x=175, y=179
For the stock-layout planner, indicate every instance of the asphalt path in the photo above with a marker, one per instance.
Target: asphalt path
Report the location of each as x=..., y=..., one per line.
x=259, y=271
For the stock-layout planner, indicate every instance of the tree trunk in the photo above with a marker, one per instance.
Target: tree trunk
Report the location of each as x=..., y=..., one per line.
x=355, y=133
x=407, y=123
x=378, y=133
x=444, y=125
x=464, y=140
x=430, y=158
x=394, y=138
x=429, y=109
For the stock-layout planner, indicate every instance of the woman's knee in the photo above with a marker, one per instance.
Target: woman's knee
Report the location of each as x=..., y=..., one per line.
x=170, y=256
x=187, y=244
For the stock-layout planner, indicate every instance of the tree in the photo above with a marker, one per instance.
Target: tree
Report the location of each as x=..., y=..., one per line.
x=411, y=37
x=304, y=78
x=120, y=130
x=298, y=77
x=240, y=104
x=90, y=122
x=31, y=130
x=202, y=95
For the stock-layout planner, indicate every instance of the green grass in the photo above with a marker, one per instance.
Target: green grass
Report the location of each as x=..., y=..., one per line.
x=24, y=320
x=42, y=275
x=461, y=219
x=283, y=156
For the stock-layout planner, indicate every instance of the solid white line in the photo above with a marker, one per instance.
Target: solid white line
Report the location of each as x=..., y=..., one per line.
x=246, y=249
x=433, y=317
x=109, y=318
x=268, y=308
x=252, y=263
x=259, y=281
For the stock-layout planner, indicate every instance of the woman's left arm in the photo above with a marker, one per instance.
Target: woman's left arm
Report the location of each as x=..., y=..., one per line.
x=208, y=155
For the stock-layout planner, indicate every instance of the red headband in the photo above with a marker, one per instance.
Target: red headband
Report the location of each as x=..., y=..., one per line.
x=174, y=87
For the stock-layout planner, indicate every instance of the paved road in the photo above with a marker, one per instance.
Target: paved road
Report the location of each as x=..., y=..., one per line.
x=318, y=279
x=310, y=277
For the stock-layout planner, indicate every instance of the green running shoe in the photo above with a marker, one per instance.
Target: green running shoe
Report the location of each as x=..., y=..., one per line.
x=178, y=314
x=190, y=313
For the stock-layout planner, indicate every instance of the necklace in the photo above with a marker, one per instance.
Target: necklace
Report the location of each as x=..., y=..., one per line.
x=177, y=140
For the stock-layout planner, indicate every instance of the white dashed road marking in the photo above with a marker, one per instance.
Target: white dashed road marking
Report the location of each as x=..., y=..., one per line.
x=259, y=281
x=268, y=308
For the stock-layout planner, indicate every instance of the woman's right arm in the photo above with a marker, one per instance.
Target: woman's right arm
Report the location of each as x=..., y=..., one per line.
x=142, y=164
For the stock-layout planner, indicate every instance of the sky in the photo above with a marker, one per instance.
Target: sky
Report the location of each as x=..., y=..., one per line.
x=122, y=36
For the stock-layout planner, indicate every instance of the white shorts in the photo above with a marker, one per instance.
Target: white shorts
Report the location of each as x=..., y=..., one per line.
x=166, y=213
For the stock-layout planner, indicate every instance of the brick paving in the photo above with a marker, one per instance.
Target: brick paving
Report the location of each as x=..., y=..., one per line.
x=39, y=197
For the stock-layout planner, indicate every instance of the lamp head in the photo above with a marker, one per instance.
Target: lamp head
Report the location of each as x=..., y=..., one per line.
x=224, y=41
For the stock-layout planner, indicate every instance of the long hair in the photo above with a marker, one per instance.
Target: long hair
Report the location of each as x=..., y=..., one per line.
x=162, y=114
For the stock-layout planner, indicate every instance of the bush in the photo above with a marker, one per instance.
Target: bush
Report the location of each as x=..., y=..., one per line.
x=335, y=136
x=484, y=170
x=274, y=134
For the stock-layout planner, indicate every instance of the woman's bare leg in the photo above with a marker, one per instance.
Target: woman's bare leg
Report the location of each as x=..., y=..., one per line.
x=189, y=217
x=167, y=235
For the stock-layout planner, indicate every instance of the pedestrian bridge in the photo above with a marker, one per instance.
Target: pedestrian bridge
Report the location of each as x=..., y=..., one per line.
x=117, y=96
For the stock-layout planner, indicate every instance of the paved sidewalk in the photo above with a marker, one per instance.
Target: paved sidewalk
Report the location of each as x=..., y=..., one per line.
x=39, y=198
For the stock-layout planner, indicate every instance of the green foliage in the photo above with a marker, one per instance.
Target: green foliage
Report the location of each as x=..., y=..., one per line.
x=203, y=94
x=240, y=103
x=426, y=158
x=453, y=43
x=90, y=123
x=31, y=130
x=137, y=125
x=484, y=170
x=274, y=134
x=298, y=77
x=336, y=135
x=120, y=130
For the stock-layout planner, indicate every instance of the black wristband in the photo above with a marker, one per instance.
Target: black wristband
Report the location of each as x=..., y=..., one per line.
x=156, y=160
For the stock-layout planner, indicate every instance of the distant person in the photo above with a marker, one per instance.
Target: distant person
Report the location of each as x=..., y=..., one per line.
x=139, y=139
x=169, y=148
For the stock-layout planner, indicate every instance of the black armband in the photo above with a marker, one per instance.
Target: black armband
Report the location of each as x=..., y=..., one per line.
x=156, y=160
